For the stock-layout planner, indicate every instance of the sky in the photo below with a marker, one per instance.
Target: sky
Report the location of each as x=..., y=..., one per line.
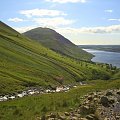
x=84, y=22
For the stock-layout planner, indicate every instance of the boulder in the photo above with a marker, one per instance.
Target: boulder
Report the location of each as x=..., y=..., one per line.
x=90, y=98
x=104, y=101
x=91, y=117
x=118, y=92
x=109, y=93
x=111, y=101
x=67, y=114
x=61, y=117
x=85, y=110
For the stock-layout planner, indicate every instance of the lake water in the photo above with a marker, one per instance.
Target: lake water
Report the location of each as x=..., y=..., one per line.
x=105, y=57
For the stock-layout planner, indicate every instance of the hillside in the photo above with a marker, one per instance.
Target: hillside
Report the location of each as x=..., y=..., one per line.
x=25, y=63
x=53, y=40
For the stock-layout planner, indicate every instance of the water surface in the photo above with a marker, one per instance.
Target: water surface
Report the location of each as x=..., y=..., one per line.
x=105, y=57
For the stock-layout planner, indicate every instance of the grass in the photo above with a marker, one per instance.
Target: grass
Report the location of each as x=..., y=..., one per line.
x=35, y=106
x=25, y=63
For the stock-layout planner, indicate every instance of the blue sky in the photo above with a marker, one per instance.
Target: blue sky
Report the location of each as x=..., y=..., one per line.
x=82, y=21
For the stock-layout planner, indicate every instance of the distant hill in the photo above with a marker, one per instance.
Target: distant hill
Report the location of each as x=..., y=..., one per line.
x=53, y=40
x=25, y=62
x=110, y=48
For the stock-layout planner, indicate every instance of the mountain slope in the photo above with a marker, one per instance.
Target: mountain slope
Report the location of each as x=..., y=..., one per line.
x=24, y=63
x=57, y=42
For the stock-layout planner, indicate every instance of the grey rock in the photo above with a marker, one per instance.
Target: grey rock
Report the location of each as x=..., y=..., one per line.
x=104, y=101
x=109, y=93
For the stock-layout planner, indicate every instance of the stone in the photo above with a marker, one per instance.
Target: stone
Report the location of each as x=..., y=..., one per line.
x=111, y=101
x=109, y=93
x=83, y=119
x=118, y=92
x=61, y=117
x=117, y=117
x=85, y=110
x=91, y=117
x=90, y=98
x=74, y=118
x=52, y=115
x=104, y=101
x=66, y=113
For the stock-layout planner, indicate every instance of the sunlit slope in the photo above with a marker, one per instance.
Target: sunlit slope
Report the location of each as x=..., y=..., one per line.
x=58, y=43
x=24, y=62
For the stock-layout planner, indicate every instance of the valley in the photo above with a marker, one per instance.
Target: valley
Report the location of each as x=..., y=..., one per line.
x=32, y=73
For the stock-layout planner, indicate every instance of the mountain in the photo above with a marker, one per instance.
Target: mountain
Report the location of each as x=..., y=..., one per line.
x=25, y=62
x=53, y=40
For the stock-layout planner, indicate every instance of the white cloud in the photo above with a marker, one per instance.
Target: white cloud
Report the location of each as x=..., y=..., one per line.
x=77, y=31
x=67, y=1
x=114, y=20
x=15, y=19
x=109, y=11
x=41, y=12
x=24, y=29
x=53, y=22
x=90, y=30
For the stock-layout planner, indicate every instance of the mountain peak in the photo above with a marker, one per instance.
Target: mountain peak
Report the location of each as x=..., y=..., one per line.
x=55, y=41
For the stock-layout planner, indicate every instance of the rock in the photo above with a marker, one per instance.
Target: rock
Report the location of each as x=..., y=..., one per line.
x=117, y=117
x=74, y=118
x=67, y=114
x=104, y=101
x=91, y=117
x=47, y=116
x=77, y=115
x=52, y=115
x=62, y=117
x=90, y=98
x=118, y=92
x=85, y=110
x=109, y=93
x=83, y=119
x=111, y=101
x=95, y=99
x=106, y=118
x=118, y=98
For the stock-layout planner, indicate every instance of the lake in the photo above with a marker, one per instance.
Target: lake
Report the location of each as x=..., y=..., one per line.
x=105, y=57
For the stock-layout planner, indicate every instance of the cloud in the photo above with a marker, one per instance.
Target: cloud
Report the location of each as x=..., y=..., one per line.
x=91, y=30
x=67, y=1
x=41, y=12
x=53, y=22
x=77, y=31
x=15, y=19
x=114, y=20
x=24, y=29
x=109, y=11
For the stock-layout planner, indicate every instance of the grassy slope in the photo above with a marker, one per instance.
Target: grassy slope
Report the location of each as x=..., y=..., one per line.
x=24, y=62
x=57, y=42
x=32, y=107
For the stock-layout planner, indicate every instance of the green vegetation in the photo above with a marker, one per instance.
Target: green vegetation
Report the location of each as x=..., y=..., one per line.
x=53, y=40
x=25, y=63
x=32, y=107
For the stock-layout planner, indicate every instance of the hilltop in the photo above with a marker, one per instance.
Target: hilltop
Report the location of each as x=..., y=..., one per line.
x=53, y=40
x=25, y=62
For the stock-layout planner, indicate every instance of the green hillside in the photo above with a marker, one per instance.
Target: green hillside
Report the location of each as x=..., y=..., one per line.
x=24, y=63
x=53, y=40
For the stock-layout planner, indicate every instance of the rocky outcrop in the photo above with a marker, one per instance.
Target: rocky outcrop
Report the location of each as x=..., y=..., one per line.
x=102, y=105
